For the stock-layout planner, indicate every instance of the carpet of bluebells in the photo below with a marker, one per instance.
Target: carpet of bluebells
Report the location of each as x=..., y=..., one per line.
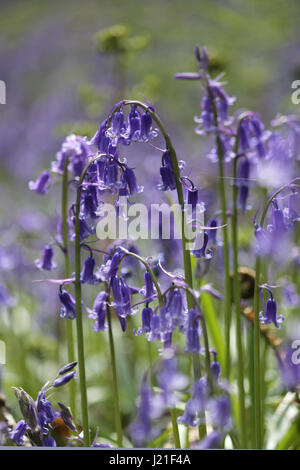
x=160, y=346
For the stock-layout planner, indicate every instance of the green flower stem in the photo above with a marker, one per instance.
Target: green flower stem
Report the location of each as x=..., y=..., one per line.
x=79, y=324
x=227, y=293
x=256, y=358
x=176, y=436
x=69, y=324
x=237, y=304
x=78, y=298
x=115, y=379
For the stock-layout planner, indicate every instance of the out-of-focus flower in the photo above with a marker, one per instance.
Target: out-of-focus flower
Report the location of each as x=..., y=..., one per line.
x=40, y=186
x=211, y=441
x=46, y=262
x=5, y=298
x=170, y=380
x=150, y=408
x=18, y=433
x=220, y=412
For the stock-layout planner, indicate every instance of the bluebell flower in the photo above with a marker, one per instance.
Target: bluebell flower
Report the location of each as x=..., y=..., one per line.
x=46, y=262
x=147, y=313
x=134, y=124
x=194, y=409
x=129, y=180
x=5, y=297
x=59, y=165
x=148, y=291
x=100, y=140
x=244, y=135
x=155, y=331
x=212, y=234
x=202, y=252
x=77, y=150
x=146, y=319
x=211, y=441
x=189, y=417
x=176, y=308
x=215, y=368
x=110, y=268
x=18, y=433
x=263, y=241
x=271, y=314
x=170, y=380
x=167, y=173
x=112, y=174
x=147, y=132
x=63, y=380
x=85, y=230
x=193, y=332
x=149, y=409
x=117, y=131
x=46, y=412
x=40, y=186
x=122, y=299
x=49, y=442
x=68, y=309
x=90, y=204
x=67, y=368
x=220, y=412
x=98, y=313
x=87, y=274
x=166, y=323
x=279, y=227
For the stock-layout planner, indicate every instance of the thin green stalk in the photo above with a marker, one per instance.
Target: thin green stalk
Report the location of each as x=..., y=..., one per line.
x=78, y=299
x=237, y=304
x=115, y=380
x=250, y=337
x=79, y=324
x=69, y=324
x=227, y=293
x=257, y=371
x=176, y=436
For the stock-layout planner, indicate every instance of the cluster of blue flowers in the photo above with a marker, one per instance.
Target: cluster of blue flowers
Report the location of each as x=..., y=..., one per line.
x=96, y=169
x=39, y=416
